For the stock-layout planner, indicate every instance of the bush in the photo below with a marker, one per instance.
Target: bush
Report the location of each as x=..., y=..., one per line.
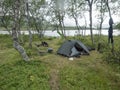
x=112, y=57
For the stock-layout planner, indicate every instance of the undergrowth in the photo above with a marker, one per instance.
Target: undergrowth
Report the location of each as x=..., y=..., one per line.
x=20, y=75
x=84, y=73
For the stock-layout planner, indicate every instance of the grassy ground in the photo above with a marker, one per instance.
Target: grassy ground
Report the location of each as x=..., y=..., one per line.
x=49, y=71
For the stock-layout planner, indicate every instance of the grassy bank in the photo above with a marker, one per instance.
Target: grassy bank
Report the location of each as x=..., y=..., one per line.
x=49, y=71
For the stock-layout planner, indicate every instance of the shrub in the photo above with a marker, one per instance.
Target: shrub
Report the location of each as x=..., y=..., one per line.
x=112, y=57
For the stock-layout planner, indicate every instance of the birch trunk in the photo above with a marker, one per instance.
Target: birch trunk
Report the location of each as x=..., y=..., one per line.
x=15, y=28
x=90, y=18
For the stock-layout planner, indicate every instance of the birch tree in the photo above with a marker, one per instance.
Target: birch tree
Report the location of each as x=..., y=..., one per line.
x=90, y=4
x=38, y=10
x=16, y=45
x=76, y=9
x=5, y=17
x=101, y=7
x=57, y=10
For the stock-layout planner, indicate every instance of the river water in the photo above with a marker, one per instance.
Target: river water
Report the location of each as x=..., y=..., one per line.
x=68, y=32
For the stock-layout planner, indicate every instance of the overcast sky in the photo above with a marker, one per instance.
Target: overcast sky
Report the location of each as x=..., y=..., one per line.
x=71, y=22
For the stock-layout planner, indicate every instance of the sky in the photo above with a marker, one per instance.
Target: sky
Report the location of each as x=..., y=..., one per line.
x=71, y=22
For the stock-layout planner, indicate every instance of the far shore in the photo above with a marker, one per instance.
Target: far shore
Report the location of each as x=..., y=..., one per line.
x=50, y=28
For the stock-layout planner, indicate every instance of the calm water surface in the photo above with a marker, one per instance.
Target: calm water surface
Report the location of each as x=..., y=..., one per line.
x=68, y=32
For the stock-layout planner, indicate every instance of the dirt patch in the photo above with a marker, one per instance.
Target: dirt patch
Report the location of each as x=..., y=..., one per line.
x=54, y=80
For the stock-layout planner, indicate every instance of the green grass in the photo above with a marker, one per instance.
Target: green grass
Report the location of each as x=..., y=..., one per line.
x=24, y=76
x=49, y=71
x=89, y=74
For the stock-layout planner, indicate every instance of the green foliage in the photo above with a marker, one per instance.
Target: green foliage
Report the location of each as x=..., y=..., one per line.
x=81, y=78
x=117, y=26
x=104, y=47
x=5, y=41
x=8, y=3
x=113, y=57
x=24, y=76
x=47, y=38
x=109, y=55
x=84, y=73
x=60, y=41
